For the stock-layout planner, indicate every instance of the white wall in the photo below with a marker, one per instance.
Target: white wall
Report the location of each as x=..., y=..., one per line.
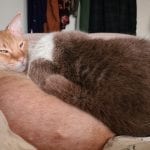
x=9, y=8
x=143, y=18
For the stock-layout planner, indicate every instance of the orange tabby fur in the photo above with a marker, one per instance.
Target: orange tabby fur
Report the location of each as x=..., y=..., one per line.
x=41, y=119
x=13, y=49
x=46, y=121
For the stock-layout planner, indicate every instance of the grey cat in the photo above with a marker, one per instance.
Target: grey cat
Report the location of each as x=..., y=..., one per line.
x=109, y=79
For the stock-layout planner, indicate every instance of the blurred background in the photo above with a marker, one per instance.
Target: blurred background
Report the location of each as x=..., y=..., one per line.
x=122, y=16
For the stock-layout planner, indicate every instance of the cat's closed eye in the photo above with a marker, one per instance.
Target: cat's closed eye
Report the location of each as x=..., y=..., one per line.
x=4, y=51
x=21, y=45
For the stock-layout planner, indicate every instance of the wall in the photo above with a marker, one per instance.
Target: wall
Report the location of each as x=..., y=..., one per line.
x=143, y=18
x=9, y=8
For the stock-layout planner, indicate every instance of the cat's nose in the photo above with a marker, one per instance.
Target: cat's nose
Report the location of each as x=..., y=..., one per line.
x=22, y=60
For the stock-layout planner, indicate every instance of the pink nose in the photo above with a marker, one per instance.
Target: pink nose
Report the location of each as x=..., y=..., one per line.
x=22, y=60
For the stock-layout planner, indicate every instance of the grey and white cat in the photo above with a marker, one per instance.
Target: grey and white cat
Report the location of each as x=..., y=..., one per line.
x=109, y=79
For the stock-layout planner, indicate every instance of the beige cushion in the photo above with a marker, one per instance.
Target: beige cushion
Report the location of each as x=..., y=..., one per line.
x=128, y=143
x=9, y=140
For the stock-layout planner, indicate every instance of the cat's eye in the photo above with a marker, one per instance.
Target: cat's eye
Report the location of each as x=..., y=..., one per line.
x=21, y=45
x=4, y=51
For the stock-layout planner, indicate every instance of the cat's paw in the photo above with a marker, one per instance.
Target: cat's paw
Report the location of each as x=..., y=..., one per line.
x=40, y=69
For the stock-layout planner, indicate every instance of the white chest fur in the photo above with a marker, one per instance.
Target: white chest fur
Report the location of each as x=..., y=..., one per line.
x=43, y=48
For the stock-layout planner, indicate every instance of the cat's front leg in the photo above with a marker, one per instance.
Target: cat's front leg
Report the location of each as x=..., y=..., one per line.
x=64, y=89
x=40, y=69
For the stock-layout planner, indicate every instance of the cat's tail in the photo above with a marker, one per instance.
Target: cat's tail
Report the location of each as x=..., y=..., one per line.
x=67, y=91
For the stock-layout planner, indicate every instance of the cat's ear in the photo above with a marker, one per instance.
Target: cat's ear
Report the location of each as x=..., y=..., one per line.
x=15, y=26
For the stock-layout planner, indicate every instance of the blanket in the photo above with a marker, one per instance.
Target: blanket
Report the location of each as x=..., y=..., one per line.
x=9, y=140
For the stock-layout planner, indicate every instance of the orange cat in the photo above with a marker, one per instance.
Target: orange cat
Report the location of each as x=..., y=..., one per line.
x=13, y=47
x=43, y=120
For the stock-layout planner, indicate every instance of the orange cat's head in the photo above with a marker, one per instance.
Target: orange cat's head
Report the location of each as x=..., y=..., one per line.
x=13, y=47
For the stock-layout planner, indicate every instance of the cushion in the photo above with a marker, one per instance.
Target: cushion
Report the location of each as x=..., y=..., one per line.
x=9, y=140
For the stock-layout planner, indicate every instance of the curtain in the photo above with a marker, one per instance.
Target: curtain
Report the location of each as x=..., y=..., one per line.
x=52, y=21
x=36, y=15
x=50, y=15
x=84, y=15
x=109, y=16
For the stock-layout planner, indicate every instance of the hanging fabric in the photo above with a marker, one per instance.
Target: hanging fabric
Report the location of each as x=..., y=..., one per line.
x=50, y=15
x=66, y=8
x=53, y=21
x=74, y=7
x=109, y=16
x=36, y=15
x=84, y=15
x=97, y=16
x=64, y=12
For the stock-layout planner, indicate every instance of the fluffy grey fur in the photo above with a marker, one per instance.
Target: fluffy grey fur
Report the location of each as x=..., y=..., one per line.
x=109, y=79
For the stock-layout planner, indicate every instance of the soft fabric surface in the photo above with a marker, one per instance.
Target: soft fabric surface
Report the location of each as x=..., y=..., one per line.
x=9, y=140
x=128, y=143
